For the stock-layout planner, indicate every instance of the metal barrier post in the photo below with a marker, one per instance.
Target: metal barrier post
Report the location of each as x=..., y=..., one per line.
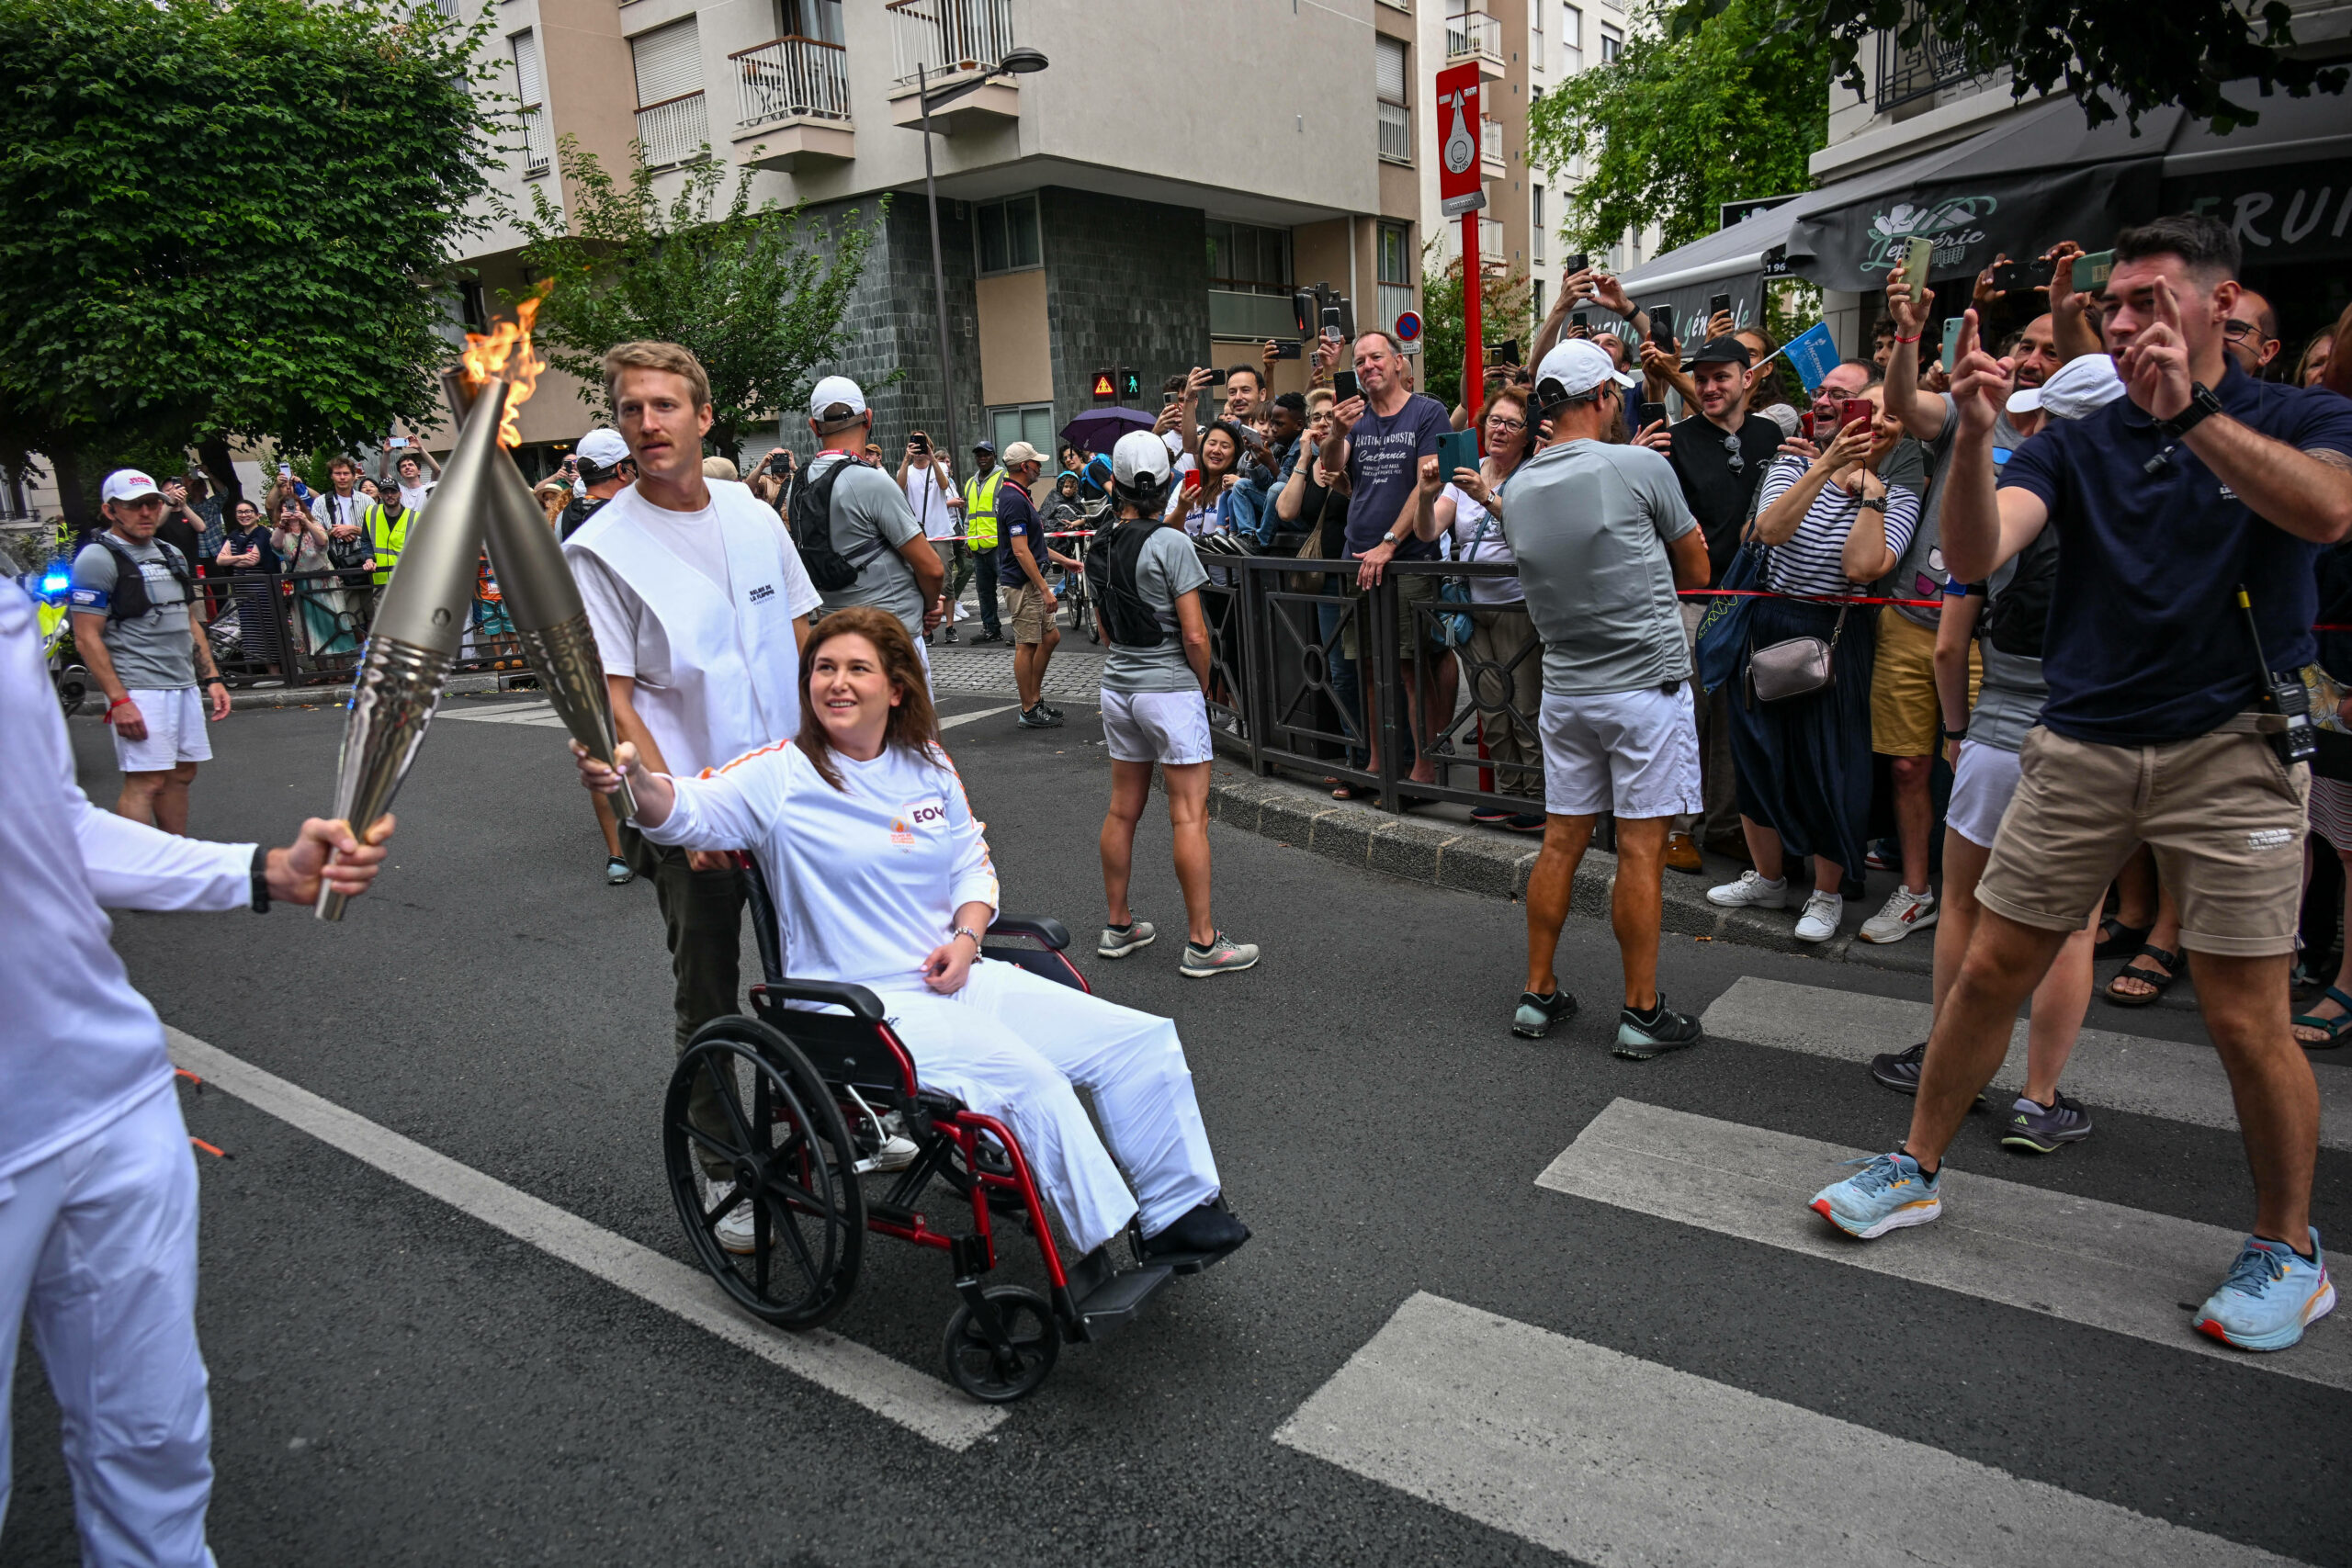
x=1389, y=681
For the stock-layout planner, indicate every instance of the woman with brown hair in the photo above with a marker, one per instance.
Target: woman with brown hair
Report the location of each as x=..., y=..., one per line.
x=882, y=878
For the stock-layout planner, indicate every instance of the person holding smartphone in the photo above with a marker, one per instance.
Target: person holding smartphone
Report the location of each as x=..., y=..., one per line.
x=923, y=474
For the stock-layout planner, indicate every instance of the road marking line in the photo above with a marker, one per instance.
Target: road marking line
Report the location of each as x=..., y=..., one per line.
x=924, y=1406
x=2108, y=1071
x=539, y=714
x=984, y=713
x=2075, y=1258
x=1627, y=1463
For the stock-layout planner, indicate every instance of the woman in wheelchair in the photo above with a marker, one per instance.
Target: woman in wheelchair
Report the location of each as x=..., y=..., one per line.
x=882, y=878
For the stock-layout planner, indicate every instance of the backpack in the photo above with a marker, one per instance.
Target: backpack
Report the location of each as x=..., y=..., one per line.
x=2015, y=619
x=1111, y=579
x=809, y=514
x=130, y=599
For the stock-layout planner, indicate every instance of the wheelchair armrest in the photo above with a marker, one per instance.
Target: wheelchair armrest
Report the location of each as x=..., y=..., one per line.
x=860, y=1001
x=1048, y=932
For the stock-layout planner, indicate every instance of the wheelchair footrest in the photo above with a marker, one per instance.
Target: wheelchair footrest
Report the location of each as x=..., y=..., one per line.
x=1115, y=1298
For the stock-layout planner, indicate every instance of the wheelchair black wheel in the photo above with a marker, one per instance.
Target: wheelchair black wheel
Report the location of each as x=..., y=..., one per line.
x=788, y=1153
x=1033, y=1342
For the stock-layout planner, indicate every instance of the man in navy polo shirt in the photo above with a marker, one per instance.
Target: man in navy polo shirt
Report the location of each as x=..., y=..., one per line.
x=2200, y=482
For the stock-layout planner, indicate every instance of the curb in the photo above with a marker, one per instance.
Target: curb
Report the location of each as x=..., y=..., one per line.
x=337, y=694
x=1471, y=859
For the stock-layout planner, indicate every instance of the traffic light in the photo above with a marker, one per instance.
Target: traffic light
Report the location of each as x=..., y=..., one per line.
x=1103, y=389
x=1130, y=386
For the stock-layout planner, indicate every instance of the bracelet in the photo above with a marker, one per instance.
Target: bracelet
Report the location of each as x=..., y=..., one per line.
x=955, y=931
x=214, y=681
x=118, y=702
x=1960, y=734
x=1912, y=338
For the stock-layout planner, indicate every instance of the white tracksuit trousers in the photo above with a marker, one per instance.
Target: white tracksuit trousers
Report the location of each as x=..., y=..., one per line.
x=1011, y=1044
x=100, y=1241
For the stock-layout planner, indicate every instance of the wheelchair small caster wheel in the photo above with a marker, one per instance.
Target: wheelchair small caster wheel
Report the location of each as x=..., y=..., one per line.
x=999, y=1374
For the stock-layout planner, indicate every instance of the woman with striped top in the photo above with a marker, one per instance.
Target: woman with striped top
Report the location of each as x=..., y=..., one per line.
x=1805, y=762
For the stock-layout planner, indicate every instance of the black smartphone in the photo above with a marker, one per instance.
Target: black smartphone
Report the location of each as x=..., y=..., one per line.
x=1332, y=325
x=1504, y=353
x=1718, y=305
x=780, y=464
x=1662, y=325
x=921, y=443
x=1344, y=384
x=1286, y=348
x=1579, y=318
x=1578, y=262
x=1651, y=413
x=2015, y=277
x=1217, y=378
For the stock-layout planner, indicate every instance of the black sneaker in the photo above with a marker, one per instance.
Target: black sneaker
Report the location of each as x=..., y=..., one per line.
x=2045, y=1129
x=1208, y=1232
x=1537, y=1014
x=1642, y=1035
x=1052, y=712
x=990, y=637
x=947, y=634
x=1039, y=717
x=1900, y=1071
x=1525, y=822
x=1491, y=814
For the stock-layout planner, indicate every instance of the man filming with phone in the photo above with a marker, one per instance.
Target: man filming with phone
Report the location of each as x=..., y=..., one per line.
x=931, y=494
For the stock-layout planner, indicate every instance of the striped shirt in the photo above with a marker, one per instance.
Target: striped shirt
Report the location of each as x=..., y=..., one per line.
x=1812, y=561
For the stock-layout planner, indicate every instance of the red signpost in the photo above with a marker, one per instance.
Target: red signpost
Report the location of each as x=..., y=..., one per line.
x=1462, y=193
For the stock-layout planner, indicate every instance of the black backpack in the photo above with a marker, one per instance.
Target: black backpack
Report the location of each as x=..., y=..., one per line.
x=1110, y=579
x=2017, y=617
x=130, y=599
x=809, y=514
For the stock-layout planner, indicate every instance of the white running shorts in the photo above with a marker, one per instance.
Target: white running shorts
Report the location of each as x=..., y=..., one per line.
x=175, y=732
x=1633, y=753
x=1981, y=788
x=1170, y=728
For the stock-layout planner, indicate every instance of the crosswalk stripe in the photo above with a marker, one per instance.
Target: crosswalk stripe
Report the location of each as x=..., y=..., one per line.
x=540, y=714
x=1627, y=1463
x=889, y=1388
x=2074, y=1259
x=2107, y=1071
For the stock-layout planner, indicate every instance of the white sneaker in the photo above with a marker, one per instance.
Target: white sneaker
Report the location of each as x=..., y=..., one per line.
x=1751, y=891
x=961, y=613
x=1823, y=912
x=734, y=1227
x=1905, y=912
x=898, y=1150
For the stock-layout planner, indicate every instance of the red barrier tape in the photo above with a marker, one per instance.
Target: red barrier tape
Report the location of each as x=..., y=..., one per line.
x=1801, y=598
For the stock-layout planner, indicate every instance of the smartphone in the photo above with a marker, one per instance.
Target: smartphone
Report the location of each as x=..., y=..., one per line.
x=921, y=443
x=1920, y=255
x=1217, y=378
x=1170, y=399
x=1504, y=353
x=1718, y=305
x=1332, y=321
x=780, y=464
x=1649, y=415
x=1344, y=384
x=1576, y=262
x=1662, y=325
x=1286, y=348
x=1456, y=449
x=1804, y=424
x=1579, y=318
x=1952, y=339
x=284, y=470
x=2092, y=270
x=1849, y=409
x=395, y=441
x=2016, y=278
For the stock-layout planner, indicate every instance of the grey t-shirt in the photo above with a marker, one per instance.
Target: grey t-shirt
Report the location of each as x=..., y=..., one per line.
x=152, y=652
x=1919, y=573
x=868, y=506
x=1167, y=568
x=2008, y=702
x=1589, y=524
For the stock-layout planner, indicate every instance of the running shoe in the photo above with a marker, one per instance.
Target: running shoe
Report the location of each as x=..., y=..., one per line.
x=1039, y=717
x=1889, y=1192
x=1883, y=854
x=947, y=634
x=1526, y=822
x=1823, y=913
x=2045, y=1129
x=1899, y=1070
x=1537, y=1013
x=734, y=1228
x=1119, y=941
x=1751, y=891
x=1490, y=813
x=1644, y=1036
x=1222, y=955
x=1051, y=712
x=2271, y=1295
x=616, y=872
x=1905, y=912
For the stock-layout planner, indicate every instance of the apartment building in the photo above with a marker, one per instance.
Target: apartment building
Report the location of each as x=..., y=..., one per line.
x=1150, y=199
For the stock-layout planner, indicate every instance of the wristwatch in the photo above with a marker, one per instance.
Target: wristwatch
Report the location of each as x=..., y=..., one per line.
x=2202, y=405
x=1389, y=537
x=261, y=880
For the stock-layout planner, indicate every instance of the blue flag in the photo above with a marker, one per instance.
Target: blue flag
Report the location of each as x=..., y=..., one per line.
x=1813, y=353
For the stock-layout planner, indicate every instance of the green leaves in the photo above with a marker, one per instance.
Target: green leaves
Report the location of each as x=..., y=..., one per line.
x=1505, y=310
x=759, y=294
x=228, y=219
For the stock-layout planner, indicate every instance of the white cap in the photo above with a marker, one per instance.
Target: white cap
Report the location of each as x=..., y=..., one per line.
x=128, y=484
x=2081, y=386
x=1021, y=452
x=835, y=391
x=1139, y=462
x=1577, y=366
x=603, y=447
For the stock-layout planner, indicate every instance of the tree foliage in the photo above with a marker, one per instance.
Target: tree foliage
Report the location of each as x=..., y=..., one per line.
x=761, y=295
x=1505, y=310
x=2113, y=58
x=226, y=219
x=1681, y=123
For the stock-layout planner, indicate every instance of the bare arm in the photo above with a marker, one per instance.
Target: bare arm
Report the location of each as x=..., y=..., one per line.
x=1923, y=417
x=1028, y=564
x=931, y=578
x=2308, y=494
x=1980, y=527
x=1194, y=627
x=1688, y=555
x=1865, y=556
x=90, y=643
x=1955, y=629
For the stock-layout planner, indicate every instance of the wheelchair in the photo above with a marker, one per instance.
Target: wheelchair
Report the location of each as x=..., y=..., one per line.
x=807, y=1096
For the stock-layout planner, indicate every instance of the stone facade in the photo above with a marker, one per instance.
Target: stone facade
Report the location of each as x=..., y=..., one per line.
x=1126, y=283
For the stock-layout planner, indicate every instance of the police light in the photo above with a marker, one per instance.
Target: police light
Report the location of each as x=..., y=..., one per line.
x=55, y=581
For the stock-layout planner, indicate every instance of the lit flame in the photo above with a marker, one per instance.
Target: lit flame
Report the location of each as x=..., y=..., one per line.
x=506, y=353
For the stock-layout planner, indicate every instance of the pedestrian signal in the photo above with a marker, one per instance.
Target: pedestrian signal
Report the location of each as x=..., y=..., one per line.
x=1102, y=388
x=1130, y=386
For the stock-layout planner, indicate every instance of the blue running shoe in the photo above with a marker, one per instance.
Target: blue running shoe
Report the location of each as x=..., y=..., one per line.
x=2272, y=1295
x=1888, y=1193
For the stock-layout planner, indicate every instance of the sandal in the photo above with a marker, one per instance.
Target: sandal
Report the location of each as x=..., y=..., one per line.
x=2117, y=940
x=1352, y=792
x=2156, y=978
x=2333, y=1028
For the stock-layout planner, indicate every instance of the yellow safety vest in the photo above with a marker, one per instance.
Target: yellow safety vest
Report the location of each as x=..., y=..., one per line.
x=386, y=538
x=979, y=508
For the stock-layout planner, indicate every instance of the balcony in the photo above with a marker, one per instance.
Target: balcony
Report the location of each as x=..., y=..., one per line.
x=793, y=94
x=953, y=41
x=675, y=131
x=1396, y=132
x=1476, y=37
x=1493, y=164
x=538, y=143
x=1909, y=75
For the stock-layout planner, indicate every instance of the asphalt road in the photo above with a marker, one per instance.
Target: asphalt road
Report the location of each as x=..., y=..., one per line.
x=394, y=1382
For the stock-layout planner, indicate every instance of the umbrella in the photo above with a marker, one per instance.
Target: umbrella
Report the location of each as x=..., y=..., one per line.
x=1098, y=430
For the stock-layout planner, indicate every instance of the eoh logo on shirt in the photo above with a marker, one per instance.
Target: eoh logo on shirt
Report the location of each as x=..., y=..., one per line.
x=917, y=817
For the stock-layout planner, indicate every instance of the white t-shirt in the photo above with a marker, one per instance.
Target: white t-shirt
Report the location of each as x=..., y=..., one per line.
x=929, y=503
x=1478, y=538
x=414, y=496
x=332, y=511
x=867, y=878
x=636, y=647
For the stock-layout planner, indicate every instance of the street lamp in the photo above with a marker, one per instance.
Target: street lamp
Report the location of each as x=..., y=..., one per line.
x=1016, y=63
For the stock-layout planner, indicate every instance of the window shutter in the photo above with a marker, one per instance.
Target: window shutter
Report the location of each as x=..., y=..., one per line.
x=669, y=62
x=530, y=80
x=1389, y=69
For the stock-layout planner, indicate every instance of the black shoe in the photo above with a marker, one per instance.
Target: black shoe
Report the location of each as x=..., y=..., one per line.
x=1491, y=814
x=2045, y=1129
x=990, y=637
x=1049, y=711
x=1899, y=1070
x=948, y=633
x=1039, y=717
x=1537, y=1014
x=1641, y=1036
x=1525, y=822
x=1209, y=1229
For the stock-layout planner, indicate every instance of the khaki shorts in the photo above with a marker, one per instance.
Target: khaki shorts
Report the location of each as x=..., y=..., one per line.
x=1024, y=614
x=1906, y=714
x=2223, y=815
x=1412, y=630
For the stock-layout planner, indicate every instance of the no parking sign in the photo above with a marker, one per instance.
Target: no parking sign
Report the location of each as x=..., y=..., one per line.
x=1408, y=326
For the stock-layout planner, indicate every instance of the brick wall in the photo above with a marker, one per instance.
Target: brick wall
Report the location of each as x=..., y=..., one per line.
x=1126, y=283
